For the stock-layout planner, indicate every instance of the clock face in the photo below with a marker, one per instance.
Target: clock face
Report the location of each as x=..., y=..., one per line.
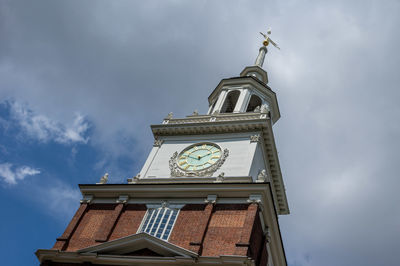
x=199, y=156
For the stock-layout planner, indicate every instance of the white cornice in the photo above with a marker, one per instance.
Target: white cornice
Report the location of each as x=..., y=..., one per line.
x=227, y=179
x=75, y=257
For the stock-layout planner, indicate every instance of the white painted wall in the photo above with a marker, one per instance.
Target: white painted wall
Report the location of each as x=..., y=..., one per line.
x=258, y=163
x=244, y=157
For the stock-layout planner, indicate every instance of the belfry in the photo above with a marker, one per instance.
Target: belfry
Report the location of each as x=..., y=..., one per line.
x=209, y=193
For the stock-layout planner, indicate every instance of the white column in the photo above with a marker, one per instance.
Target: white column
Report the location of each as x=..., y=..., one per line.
x=220, y=101
x=210, y=109
x=241, y=101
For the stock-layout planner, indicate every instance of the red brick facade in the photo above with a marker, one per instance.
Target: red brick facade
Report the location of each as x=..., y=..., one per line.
x=206, y=229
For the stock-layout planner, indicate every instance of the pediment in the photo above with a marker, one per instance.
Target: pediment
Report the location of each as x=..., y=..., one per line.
x=141, y=244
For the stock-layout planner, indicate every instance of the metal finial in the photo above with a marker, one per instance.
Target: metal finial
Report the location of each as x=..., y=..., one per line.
x=268, y=39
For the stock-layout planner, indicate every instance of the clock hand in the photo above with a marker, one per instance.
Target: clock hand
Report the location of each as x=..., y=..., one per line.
x=205, y=155
x=196, y=158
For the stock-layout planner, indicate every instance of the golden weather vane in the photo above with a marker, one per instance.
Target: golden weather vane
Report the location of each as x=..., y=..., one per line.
x=268, y=39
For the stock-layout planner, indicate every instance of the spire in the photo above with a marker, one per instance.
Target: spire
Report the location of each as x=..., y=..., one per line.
x=263, y=49
x=261, y=56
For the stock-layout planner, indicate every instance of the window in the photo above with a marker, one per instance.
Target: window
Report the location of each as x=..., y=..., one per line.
x=254, y=102
x=158, y=222
x=230, y=102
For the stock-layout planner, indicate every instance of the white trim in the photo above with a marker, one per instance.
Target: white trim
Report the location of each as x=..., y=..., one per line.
x=173, y=225
x=220, y=101
x=75, y=257
x=156, y=208
x=141, y=240
x=149, y=160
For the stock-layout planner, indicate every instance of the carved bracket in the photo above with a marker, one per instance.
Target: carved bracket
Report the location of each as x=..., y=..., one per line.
x=87, y=199
x=158, y=142
x=254, y=198
x=134, y=179
x=255, y=138
x=122, y=199
x=262, y=176
x=211, y=199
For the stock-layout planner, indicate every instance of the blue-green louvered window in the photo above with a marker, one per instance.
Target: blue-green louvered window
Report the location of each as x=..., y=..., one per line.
x=158, y=222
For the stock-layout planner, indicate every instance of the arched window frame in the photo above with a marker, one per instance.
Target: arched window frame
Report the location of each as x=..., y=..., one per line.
x=230, y=92
x=249, y=98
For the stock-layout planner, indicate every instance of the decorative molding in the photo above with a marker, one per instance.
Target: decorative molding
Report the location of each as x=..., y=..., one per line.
x=158, y=142
x=134, y=179
x=214, y=117
x=255, y=138
x=103, y=179
x=98, y=258
x=220, y=178
x=177, y=172
x=211, y=199
x=262, y=176
x=265, y=109
x=255, y=198
x=167, y=118
x=87, y=199
x=165, y=204
x=122, y=199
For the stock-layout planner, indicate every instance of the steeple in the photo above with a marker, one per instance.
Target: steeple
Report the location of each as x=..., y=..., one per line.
x=256, y=70
x=249, y=92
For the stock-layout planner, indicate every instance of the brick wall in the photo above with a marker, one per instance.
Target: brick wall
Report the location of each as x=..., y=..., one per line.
x=190, y=226
x=129, y=221
x=224, y=230
x=256, y=241
x=207, y=229
x=103, y=220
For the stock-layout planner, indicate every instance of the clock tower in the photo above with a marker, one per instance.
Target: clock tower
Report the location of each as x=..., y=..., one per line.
x=209, y=193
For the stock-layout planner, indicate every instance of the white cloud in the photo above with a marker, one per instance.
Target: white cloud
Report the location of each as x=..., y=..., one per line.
x=44, y=129
x=57, y=198
x=62, y=200
x=11, y=175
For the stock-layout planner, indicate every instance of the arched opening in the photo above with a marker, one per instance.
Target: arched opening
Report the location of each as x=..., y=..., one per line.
x=253, y=103
x=230, y=102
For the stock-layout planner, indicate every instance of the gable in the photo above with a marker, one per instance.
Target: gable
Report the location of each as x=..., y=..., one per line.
x=143, y=252
x=141, y=244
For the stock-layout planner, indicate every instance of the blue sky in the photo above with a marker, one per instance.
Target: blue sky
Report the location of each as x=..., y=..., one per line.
x=81, y=82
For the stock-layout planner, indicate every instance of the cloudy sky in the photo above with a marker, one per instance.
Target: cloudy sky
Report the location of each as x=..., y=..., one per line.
x=81, y=81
